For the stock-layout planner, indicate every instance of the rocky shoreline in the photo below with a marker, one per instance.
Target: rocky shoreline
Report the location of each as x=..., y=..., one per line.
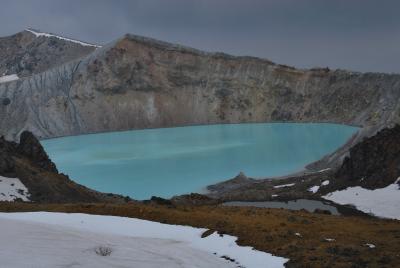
x=372, y=164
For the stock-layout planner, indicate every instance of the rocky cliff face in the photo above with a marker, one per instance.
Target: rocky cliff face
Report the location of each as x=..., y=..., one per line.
x=137, y=82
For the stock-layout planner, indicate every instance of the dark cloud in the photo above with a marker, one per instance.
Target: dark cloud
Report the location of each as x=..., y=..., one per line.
x=361, y=35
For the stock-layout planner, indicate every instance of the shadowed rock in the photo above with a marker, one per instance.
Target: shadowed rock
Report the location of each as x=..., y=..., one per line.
x=30, y=147
x=374, y=162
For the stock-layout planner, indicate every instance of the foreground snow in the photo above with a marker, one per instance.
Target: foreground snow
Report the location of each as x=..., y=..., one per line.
x=61, y=239
x=8, y=78
x=11, y=189
x=39, y=34
x=383, y=202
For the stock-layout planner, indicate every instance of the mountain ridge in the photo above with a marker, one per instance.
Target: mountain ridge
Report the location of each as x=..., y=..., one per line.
x=137, y=82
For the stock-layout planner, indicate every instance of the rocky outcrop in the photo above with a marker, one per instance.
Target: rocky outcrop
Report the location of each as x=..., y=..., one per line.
x=30, y=147
x=28, y=162
x=374, y=162
x=138, y=82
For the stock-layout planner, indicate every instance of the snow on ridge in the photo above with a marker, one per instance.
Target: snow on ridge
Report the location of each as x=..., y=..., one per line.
x=39, y=34
x=382, y=202
x=8, y=78
x=213, y=244
x=12, y=188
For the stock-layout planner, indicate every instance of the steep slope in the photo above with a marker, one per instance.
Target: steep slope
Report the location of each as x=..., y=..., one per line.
x=29, y=52
x=29, y=164
x=137, y=82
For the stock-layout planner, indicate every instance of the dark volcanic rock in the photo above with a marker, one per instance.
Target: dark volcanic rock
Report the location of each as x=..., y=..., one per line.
x=30, y=147
x=374, y=162
x=159, y=201
x=237, y=182
x=322, y=211
x=193, y=199
x=7, y=166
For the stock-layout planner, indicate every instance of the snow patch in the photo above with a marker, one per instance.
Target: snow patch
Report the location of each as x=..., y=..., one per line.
x=325, y=183
x=135, y=228
x=314, y=189
x=39, y=34
x=382, y=202
x=8, y=78
x=284, y=185
x=12, y=188
x=370, y=245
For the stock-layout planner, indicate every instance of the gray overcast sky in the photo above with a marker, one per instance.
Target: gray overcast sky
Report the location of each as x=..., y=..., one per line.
x=361, y=35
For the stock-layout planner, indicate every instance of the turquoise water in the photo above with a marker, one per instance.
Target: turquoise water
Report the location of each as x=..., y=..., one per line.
x=170, y=161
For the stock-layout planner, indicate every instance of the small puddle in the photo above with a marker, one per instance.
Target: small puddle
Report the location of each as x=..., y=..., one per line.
x=309, y=205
